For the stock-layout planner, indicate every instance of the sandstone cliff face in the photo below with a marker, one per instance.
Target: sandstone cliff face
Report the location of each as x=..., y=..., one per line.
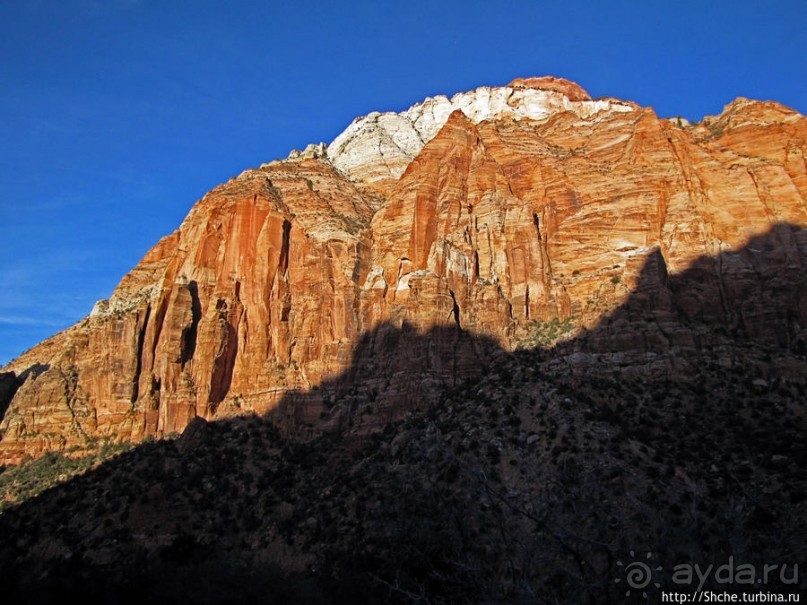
x=376, y=149
x=485, y=213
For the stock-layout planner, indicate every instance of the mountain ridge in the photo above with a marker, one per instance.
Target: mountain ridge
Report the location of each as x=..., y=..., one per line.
x=272, y=278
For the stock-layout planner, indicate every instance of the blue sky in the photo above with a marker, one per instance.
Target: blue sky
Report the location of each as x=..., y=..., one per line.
x=118, y=114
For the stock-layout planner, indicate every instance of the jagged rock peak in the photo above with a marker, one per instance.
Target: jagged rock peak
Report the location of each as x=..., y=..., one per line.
x=376, y=149
x=570, y=89
x=312, y=151
x=749, y=112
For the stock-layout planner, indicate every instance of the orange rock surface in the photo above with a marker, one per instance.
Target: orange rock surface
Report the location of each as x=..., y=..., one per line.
x=497, y=218
x=574, y=92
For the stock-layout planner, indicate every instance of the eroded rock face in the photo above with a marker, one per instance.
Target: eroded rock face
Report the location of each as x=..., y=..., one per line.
x=252, y=296
x=376, y=149
x=481, y=213
x=574, y=92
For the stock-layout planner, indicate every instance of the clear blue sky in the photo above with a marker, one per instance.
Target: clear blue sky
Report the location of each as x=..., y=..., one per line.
x=118, y=114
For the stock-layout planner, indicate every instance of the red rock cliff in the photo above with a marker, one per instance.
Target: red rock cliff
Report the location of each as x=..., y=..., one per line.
x=486, y=211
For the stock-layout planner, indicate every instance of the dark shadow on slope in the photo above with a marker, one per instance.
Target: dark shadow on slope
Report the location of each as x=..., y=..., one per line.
x=675, y=426
x=744, y=308
x=394, y=370
x=10, y=384
x=754, y=298
x=8, y=387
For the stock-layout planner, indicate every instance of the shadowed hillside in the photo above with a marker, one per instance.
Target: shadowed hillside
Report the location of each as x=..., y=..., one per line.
x=747, y=307
x=676, y=426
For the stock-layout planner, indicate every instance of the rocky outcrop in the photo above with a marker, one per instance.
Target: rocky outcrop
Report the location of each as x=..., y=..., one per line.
x=376, y=149
x=249, y=298
x=485, y=213
x=572, y=91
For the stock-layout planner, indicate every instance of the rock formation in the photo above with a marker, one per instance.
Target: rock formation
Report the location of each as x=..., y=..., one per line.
x=488, y=212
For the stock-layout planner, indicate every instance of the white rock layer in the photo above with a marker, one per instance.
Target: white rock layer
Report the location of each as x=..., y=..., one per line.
x=379, y=146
